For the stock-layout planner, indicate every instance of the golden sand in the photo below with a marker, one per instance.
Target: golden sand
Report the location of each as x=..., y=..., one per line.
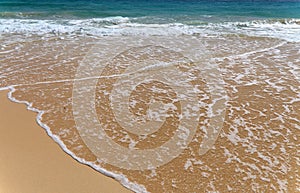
x=30, y=161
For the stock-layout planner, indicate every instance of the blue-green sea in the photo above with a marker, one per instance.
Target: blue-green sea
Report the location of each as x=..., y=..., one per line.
x=161, y=10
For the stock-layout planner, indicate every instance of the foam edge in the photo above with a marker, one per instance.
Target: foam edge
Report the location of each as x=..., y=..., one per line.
x=120, y=178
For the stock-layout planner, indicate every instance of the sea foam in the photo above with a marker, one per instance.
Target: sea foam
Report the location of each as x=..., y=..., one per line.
x=288, y=30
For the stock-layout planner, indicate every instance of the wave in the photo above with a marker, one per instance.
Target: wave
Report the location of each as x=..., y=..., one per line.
x=286, y=29
x=21, y=15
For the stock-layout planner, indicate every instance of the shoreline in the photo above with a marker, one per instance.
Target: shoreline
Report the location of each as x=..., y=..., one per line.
x=40, y=165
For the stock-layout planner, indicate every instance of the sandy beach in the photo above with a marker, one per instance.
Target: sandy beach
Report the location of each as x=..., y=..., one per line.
x=149, y=96
x=31, y=162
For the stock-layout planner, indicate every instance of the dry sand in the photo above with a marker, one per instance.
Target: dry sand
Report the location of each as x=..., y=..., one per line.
x=31, y=162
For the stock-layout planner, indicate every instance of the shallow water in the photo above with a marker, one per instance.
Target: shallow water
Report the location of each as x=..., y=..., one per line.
x=231, y=105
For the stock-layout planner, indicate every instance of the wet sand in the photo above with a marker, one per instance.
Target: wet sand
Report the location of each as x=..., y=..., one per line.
x=255, y=151
x=30, y=161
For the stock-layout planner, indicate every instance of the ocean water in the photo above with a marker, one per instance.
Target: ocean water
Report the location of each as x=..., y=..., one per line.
x=163, y=95
x=263, y=17
x=176, y=10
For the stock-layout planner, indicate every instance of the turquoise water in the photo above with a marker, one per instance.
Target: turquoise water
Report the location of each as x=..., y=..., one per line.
x=161, y=11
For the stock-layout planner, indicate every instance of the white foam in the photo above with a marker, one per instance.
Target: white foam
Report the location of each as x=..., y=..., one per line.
x=287, y=30
x=283, y=29
x=4, y=88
